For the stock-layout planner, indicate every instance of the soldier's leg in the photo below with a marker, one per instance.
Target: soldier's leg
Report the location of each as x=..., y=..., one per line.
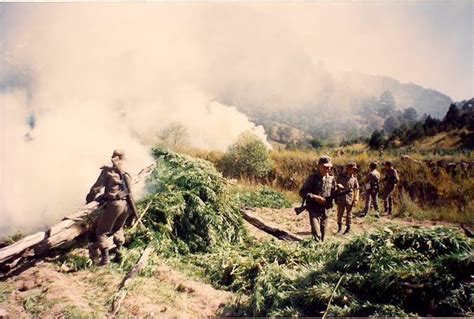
x=118, y=234
x=348, y=216
x=104, y=229
x=312, y=222
x=374, y=196
x=340, y=213
x=368, y=196
x=390, y=204
x=117, y=228
x=322, y=225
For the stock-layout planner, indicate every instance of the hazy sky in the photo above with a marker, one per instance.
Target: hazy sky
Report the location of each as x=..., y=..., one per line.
x=424, y=42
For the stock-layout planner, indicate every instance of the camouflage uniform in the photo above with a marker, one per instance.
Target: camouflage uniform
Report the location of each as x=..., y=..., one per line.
x=322, y=186
x=372, y=188
x=111, y=221
x=391, y=179
x=346, y=202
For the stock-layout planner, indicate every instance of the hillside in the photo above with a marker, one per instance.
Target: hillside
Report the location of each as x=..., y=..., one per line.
x=343, y=106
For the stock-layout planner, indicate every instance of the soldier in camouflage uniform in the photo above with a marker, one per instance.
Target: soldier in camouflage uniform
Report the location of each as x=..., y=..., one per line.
x=111, y=221
x=391, y=179
x=318, y=186
x=372, y=185
x=345, y=203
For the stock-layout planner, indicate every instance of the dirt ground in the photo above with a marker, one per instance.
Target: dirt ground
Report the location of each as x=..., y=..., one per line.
x=286, y=219
x=48, y=291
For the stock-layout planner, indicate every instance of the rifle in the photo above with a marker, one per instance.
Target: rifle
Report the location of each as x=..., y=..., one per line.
x=329, y=199
x=127, y=190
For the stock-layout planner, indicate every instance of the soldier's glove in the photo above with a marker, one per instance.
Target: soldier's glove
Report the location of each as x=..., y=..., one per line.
x=121, y=195
x=90, y=197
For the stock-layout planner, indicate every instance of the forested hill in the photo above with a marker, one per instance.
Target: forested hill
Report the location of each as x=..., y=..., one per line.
x=340, y=107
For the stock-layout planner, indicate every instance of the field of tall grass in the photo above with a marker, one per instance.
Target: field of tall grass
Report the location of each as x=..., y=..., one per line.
x=436, y=196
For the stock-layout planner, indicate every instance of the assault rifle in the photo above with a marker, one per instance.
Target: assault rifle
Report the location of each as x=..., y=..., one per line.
x=127, y=189
x=329, y=199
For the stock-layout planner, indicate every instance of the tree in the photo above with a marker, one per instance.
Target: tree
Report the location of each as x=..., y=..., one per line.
x=377, y=139
x=451, y=120
x=410, y=115
x=387, y=104
x=247, y=157
x=316, y=143
x=390, y=124
x=174, y=137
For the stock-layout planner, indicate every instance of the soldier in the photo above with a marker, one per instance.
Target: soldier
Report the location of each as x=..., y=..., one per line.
x=391, y=179
x=372, y=185
x=348, y=180
x=318, y=186
x=111, y=221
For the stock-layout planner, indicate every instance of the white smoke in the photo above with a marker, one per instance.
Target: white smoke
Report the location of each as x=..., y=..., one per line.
x=94, y=81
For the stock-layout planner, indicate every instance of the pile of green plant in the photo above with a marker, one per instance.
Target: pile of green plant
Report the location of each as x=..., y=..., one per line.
x=188, y=208
x=262, y=197
x=394, y=272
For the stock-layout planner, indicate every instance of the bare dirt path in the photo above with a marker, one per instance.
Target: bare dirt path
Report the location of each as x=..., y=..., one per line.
x=46, y=291
x=299, y=225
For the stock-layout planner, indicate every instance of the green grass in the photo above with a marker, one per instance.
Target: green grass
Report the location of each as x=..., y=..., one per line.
x=5, y=290
x=258, y=196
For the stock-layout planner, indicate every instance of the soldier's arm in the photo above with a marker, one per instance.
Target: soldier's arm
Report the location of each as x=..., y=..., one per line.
x=395, y=175
x=306, y=188
x=98, y=185
x=356, y=191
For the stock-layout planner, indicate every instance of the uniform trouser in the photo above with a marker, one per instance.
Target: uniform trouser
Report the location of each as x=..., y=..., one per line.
x=340, y=212
x=387, y=198
x=314, y=219
x=111, y=223
x=371, y=198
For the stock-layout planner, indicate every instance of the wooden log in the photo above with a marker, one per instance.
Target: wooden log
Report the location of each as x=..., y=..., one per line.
x=278, y=233
x=64, y=232
x=122, y=291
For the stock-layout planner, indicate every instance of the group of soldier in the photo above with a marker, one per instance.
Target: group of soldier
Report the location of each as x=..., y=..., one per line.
x=321, y=189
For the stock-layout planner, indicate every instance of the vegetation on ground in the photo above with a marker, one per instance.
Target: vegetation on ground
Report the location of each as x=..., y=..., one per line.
x=394, y=272
x=260, y=196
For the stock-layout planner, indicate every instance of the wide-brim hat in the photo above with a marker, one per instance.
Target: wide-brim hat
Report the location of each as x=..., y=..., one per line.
x=352, y=165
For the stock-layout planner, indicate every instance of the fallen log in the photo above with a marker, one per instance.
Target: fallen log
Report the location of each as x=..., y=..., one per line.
x=276, y=232
x=65, y=232
x=122, y=291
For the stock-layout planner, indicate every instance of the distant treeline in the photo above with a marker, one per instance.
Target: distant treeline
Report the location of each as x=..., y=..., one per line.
x=460, y=116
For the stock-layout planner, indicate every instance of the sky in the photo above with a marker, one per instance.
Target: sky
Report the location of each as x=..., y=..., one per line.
x=429, y=43
x=101, y=76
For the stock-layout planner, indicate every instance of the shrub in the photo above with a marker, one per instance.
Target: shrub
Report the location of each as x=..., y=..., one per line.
x=247, y=157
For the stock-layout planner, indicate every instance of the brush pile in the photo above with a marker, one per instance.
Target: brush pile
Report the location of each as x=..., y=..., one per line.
x=188, y=207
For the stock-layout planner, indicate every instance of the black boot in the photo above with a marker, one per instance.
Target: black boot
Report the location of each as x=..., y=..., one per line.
x=105, y=257
x=94, y=253
x=118, y=254
x=339, y=227
x=348, y=228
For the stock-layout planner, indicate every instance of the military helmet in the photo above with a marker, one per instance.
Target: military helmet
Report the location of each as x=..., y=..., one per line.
x=119, y=153
x=325, y=160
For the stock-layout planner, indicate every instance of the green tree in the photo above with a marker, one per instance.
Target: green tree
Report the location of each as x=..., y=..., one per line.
x=316, y=143
x=390, y=124
x=247, y=157
x=410, y=115
x=377, y=139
